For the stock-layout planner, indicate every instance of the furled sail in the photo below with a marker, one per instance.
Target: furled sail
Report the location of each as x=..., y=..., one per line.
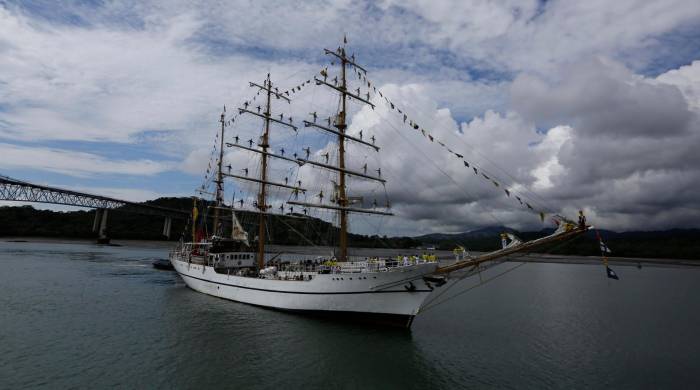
x=238, y=233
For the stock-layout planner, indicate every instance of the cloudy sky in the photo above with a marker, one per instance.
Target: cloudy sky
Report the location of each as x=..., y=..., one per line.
x=592, y=105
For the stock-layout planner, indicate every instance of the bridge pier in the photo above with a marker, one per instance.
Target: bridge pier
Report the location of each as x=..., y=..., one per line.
x=166, y=226
x=96, y=223
x=101, y=222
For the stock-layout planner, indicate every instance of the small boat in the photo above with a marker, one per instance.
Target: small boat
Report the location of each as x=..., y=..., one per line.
x=163, y=264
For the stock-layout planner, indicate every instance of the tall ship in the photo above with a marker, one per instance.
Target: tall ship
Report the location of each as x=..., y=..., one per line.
x=222, y=259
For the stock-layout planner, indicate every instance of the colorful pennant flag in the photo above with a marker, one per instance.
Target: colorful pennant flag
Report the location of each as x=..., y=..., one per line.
x=427, y=134
x=603, y=248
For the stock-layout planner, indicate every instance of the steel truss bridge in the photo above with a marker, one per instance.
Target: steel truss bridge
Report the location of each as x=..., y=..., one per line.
x=22, y=191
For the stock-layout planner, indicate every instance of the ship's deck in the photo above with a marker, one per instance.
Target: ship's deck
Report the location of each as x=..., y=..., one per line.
x=300, y=270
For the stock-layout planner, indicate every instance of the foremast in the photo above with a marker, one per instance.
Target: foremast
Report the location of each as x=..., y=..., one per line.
x=340, y=123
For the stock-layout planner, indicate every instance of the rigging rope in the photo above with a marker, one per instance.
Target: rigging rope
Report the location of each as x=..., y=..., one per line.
x=521, y=254
x=414, y=125
x=431, y=306
x=422, y=153
x=363, y=78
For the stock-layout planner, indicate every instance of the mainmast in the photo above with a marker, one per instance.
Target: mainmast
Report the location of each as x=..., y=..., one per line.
x=264, y=145
x=340, y=123
x=219, y=196
x=341, y=126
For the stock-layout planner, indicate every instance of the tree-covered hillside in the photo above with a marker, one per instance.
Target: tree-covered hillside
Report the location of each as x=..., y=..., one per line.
x=296, y=229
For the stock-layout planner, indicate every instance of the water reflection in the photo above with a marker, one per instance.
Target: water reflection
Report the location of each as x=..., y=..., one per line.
x=76, y=315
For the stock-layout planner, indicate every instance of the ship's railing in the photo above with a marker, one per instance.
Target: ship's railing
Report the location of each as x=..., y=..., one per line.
x=189, y=247
x=335, y=267
x=296, y=262
x=191, y=252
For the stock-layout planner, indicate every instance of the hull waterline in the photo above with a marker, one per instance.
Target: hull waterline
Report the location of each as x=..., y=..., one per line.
x=390, y=298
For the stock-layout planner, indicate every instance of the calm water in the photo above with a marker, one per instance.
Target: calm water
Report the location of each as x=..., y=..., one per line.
x=79, y=315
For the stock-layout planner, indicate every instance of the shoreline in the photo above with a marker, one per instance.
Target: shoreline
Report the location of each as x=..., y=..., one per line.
x=445, y=257
x=90, y=241
x=596, y=260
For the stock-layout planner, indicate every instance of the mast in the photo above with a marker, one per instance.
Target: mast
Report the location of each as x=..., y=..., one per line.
x=262, y=197
x=219, y=196
x=340, y=124
x=264, y=144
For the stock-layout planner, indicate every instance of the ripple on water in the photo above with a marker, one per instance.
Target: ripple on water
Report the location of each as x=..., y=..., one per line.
x=80, y=317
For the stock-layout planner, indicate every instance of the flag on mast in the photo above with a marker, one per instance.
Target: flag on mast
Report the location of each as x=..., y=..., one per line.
x=611, y=273
x=603, y=250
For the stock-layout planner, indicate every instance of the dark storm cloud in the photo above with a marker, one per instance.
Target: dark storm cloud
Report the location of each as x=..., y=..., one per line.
x=603, y=99
x=632, y=152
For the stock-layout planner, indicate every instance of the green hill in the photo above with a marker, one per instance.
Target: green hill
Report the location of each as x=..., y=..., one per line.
x=26, y=221
x=670, y=244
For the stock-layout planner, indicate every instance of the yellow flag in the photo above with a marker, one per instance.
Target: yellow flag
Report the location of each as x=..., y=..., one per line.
x=195, y=213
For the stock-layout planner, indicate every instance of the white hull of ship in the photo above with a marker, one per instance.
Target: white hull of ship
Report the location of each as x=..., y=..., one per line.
x=394, y=296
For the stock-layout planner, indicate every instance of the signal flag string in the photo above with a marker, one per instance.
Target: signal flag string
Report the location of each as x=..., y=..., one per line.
x=478, y=171
x=604, y=250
